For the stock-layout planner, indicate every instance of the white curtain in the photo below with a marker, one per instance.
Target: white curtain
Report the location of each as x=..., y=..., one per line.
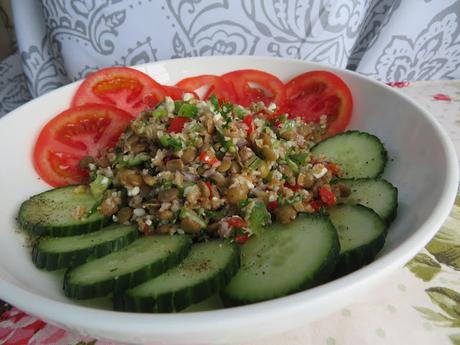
x=390, y=40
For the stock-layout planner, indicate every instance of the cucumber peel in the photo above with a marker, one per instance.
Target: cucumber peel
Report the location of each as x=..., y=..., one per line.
x=270, y=262
x=207, y=268
x=63, y=211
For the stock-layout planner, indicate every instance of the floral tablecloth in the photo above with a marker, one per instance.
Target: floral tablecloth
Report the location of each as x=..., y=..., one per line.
x=418, y=304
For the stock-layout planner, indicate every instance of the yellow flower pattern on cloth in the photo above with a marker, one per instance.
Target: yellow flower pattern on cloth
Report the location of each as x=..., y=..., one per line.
x=438, y=266
x=442, y=258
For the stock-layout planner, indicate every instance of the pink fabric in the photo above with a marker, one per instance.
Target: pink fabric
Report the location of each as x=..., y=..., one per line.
x=18, y=328
x=442, y=97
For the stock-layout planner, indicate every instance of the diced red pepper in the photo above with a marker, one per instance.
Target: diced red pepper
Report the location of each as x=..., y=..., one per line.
x=236, y=222
x=145, y=229
x=272, y=205
x=333, y=168
x=293, y=187
x=277, y=123
x=241, y=238
x=327, y=196
x=205, y=157
x=248, y=120
x=316, y=205
x=209, y=185
x=272, y=116
x=176, y=125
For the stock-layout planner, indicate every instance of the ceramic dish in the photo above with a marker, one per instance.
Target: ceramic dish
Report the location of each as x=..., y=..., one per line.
x=423, y=166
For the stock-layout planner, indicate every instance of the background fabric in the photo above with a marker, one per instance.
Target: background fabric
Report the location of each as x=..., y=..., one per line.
x=390, y=40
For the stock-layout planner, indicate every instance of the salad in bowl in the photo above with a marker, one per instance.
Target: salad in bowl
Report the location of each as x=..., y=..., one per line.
x=224, y=193
x=266, y=192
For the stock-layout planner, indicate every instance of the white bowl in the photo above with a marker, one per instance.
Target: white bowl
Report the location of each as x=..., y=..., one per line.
x=423, y=166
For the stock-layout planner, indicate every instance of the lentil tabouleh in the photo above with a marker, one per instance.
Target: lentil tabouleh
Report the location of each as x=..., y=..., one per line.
x=198, y=166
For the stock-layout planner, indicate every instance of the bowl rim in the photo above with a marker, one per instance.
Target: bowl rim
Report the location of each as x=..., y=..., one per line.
x=90, y=318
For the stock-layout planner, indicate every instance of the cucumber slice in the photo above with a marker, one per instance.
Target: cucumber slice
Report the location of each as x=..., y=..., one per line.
x=142, y=260
x=358, y=154
x=53, y=253
x=361, y=234
x=284, y=259
x=207, y=269
x=377, y=194
x=56, y=212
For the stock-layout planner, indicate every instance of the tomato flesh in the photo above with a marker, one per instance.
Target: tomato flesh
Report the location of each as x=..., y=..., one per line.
x=107, y=90
x=256, y=86
x=214, y=84
x=317, y=93
x=177, y=93
x=122, y=87
x=66, y=165
x=86, y=130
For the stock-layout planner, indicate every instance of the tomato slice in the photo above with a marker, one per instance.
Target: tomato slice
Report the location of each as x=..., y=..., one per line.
x=213, y=84
x=313, y=94
x=122, y=87
x=86, y=130
x=256, y=86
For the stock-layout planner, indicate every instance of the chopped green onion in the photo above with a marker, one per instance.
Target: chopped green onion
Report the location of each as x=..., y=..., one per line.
x=227, y=108
x=217, y=215
x=99, y=185
x=188, y=110
x=187, y=213
x=257, y=216
x=269, y=177
x=138, y=159
x=159, y=113
x=177, y=106
x=295, y=199
x=197, y=127
x=294, y=167
x=239, y=112
x=170, y=142
x=256, y=163
x=227, y=144
x=282, y=118
x=214, y=101
x=289, y=125
x=166, y=184
x=299, y=158
x=244, y=203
